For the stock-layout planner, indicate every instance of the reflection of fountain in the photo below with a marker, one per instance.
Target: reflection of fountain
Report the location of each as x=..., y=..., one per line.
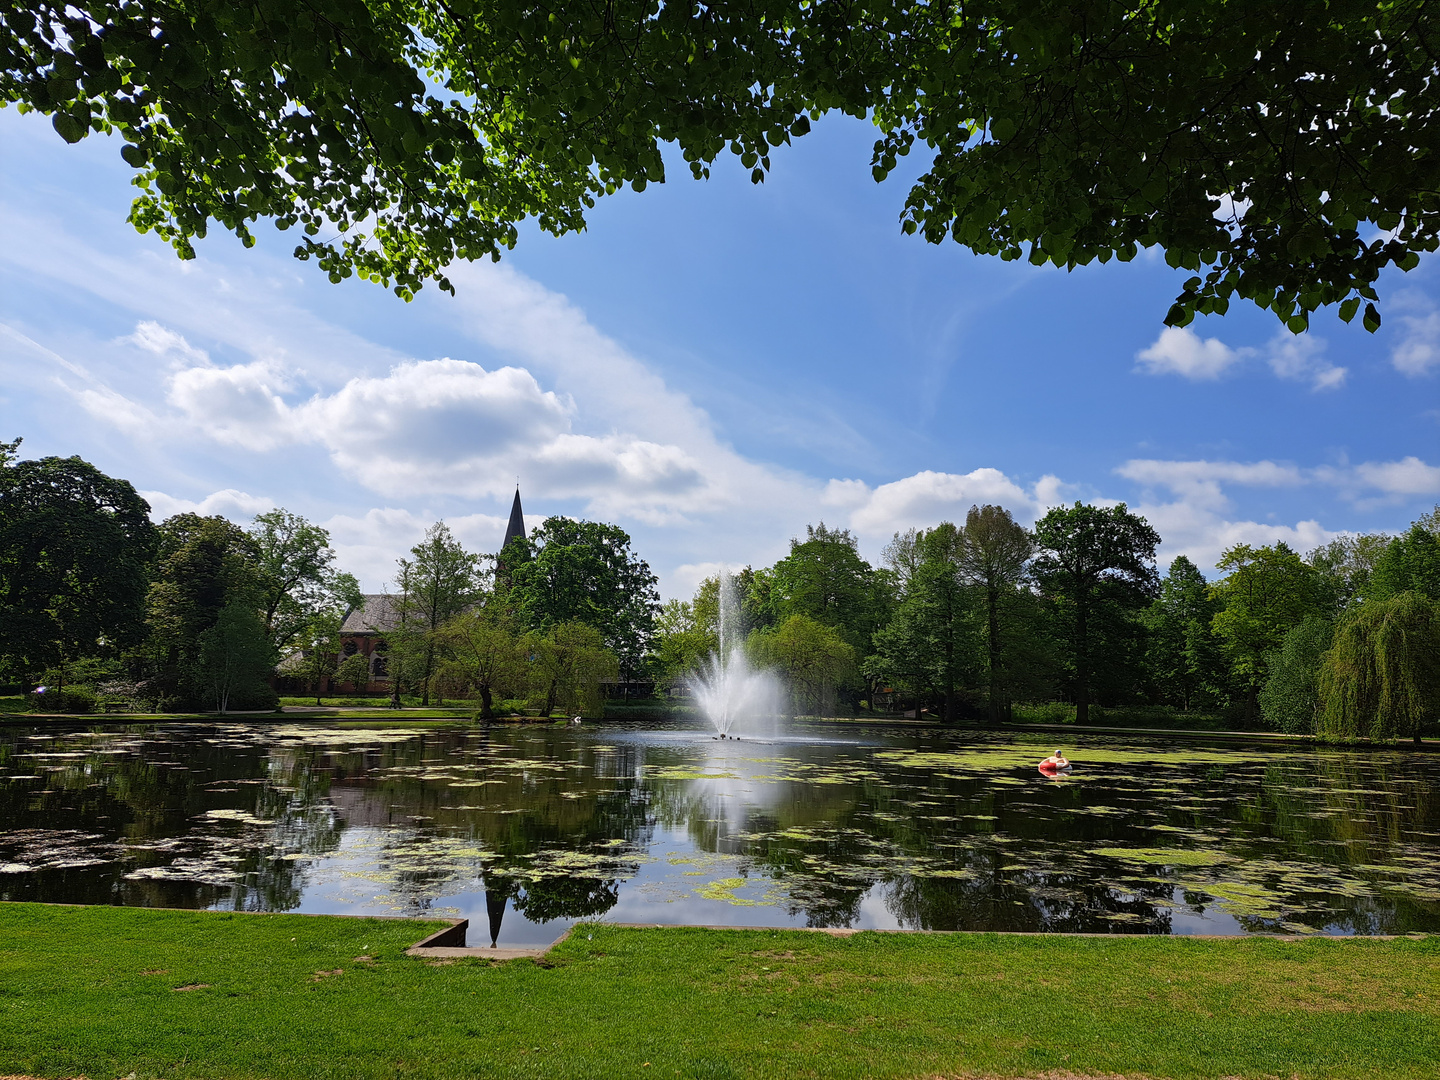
x=734, y=695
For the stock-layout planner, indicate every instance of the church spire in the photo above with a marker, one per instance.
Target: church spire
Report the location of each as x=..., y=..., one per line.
x=516, y=528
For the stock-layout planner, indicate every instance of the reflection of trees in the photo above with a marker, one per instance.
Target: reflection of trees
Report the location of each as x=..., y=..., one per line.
x=527, y=798
x=534, y=815
x=567, y=898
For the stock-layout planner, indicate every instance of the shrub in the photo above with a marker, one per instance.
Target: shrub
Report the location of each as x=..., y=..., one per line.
x=74, y=699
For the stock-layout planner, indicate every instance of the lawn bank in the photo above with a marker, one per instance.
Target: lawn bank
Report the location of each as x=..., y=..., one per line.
x=106, y=992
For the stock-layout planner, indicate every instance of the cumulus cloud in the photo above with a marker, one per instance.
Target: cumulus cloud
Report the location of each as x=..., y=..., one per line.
x=1298, y=357
x=228, y=503
x=239, y=406
x=928, y=497
x=1180, y=351
x=1418, y=350
x=1374, y=483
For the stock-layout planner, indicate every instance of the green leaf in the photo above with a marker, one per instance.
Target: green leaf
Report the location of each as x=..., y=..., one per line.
x=1371, y=321
x=1349, y=308
x=67, y=128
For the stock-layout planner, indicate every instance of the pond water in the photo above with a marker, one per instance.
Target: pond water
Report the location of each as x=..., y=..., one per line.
x=525, y=829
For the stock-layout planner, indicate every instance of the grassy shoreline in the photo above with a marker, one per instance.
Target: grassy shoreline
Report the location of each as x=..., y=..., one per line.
x=112, y=991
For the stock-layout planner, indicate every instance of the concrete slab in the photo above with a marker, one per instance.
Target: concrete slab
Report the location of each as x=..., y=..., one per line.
x=443, y=952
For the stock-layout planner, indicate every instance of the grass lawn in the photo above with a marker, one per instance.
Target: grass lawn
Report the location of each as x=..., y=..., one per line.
x=107, y=992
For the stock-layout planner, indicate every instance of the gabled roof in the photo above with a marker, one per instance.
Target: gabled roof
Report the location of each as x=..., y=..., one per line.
x=378, y=614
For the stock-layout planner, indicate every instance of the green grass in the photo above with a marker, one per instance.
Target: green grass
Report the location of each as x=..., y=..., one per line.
x=113, y=991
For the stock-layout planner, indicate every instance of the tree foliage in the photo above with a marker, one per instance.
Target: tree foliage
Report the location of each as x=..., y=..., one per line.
x=1290, y=700
x=1266, y=593
x=1187, y=662
x=814, y=659
x=993, y=555
x=1410, y=562
x=232, y=660
x=585, y=571
x=297, y=575
x=439, y=581
x=75, y=546
x=1095, y=562
x=1253, y=145
x=1381, y=678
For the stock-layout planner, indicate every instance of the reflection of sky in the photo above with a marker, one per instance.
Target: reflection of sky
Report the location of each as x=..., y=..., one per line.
x=1017, y=847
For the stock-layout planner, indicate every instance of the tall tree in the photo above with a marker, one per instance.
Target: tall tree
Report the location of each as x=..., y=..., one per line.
x=993, y=554
x=1266, y=593
x=75, y=546
x=1093, y=560
x=1185, y=658
x=1410, y=562
x=1344, y=567
x=1381, y=678
x=931, y=640
x=1290, y=699
x=825, y=578
x=585, y=571
x=1064, y=132
x=437, y=582
x=233, y=659
x=204, y=564
x=297, y=575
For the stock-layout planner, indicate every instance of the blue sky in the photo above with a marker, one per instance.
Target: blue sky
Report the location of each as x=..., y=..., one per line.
x=711, y=364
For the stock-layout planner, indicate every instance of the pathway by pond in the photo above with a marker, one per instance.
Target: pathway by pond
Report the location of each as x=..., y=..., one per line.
x=526, y=829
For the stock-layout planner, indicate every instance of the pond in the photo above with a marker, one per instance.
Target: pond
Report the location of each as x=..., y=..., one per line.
x=525, y=829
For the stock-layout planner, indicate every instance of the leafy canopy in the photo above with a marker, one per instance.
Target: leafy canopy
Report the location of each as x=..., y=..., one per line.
x=1255, y=144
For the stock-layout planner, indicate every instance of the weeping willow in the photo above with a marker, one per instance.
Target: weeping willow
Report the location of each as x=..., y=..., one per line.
x=1381, y=678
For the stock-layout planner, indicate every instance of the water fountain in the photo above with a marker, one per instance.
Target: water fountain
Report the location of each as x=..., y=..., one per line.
x=737, y=697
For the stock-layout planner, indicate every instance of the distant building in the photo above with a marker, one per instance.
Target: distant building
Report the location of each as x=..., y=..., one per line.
x=363, y=632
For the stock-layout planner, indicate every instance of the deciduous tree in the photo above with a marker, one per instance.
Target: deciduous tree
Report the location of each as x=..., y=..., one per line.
x=993, y=555
x=1266, y=593
x=585, y=571
x=297, y=575
x=1096, y=562
x=75, y=546
x=437, y=582
x=1253, y=145
x=1381, y=678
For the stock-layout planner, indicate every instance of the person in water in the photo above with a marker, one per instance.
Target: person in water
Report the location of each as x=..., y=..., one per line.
x=1057, y=760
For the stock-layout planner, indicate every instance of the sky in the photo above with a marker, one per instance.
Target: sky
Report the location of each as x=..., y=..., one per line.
x=712, y=365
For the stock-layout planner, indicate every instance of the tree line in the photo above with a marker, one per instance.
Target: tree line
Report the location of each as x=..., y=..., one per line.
x=964, y=621
x=967, y=620
x=102, y=607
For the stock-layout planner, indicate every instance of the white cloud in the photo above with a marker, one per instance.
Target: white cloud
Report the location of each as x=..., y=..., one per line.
x=1418, y=350
x=162, y=341
x=1180, y=351
x=1199, y=482
x=1297, y=356
x=236, y=505
x=239, y=405
x=368, y=545
x=928, y=497
x=113, y=407
x=1377, y=482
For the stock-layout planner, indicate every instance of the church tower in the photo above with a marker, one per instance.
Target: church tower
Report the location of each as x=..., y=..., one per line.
x=516, y=528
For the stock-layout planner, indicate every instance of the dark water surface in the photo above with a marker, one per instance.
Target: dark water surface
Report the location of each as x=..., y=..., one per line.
x=534, y=827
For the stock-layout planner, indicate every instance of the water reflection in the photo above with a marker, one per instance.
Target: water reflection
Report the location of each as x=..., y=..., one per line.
x=526, y=829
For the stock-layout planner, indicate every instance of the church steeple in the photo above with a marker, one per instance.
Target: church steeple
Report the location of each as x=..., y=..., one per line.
x=516, y=528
